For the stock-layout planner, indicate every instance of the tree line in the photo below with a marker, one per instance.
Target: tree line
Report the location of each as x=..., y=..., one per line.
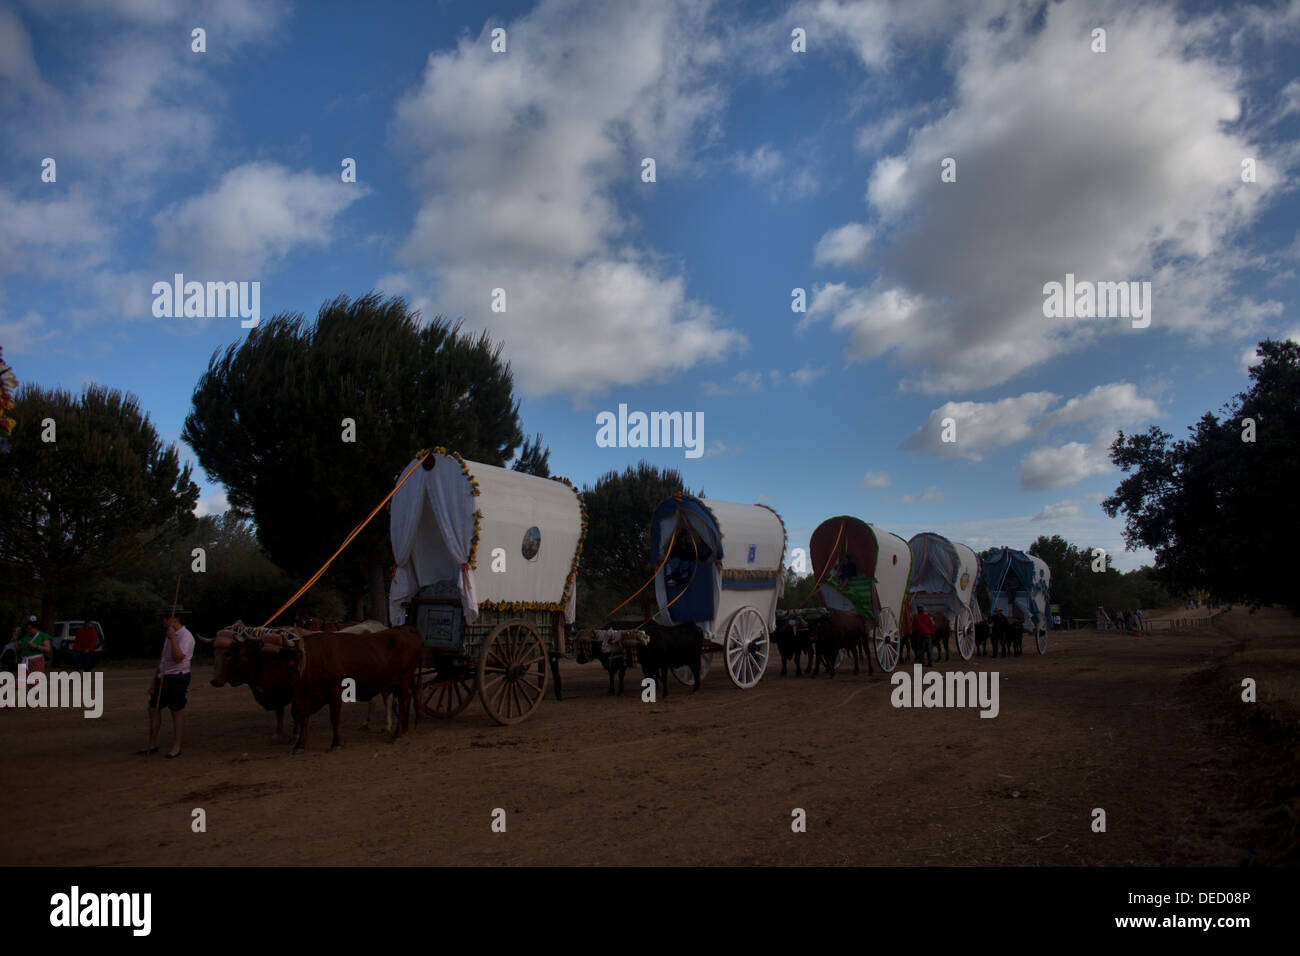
x=308, y=424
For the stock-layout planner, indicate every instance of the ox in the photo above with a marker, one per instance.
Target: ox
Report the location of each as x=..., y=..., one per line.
x=981, y=637
x=840, y=631
x=793, y=637
x=678, y=645
x=606, y=647
x=378, y=662
x=237, y=660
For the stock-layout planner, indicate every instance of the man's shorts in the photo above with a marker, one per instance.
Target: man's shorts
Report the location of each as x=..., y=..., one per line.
x=174, y=687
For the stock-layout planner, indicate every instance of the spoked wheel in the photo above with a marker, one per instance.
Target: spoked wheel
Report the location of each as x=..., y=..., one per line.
x=1042, y=640
x=746, y=648
x=683, y=674
x=965, y=633
x=888, y=640
x=449, y=692
x=512, y=672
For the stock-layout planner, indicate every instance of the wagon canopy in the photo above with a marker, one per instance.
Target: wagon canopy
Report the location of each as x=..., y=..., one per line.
x=944, y=574
x=1017, y=579
x=451, y=515
x=862, y=567
x=716, y=546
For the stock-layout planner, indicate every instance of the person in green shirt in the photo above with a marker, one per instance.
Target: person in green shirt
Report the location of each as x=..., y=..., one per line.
x=35, y=647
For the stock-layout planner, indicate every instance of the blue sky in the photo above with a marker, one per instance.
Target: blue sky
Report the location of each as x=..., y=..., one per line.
x=775, y=170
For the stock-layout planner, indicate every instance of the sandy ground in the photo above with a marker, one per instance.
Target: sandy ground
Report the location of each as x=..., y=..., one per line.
x=1150, y=729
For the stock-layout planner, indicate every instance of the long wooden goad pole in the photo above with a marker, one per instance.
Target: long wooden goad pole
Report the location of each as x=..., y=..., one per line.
x=162, y=663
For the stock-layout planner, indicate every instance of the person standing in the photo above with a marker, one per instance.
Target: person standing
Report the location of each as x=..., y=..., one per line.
x=171, y=681
x=83, y=646
x=36, y=648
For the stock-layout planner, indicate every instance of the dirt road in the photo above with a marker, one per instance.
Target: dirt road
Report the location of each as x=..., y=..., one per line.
x=1152, y=730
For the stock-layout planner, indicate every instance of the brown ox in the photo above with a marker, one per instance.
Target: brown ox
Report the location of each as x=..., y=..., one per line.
x=381, y=662
x=237, y=660
x=840, y=631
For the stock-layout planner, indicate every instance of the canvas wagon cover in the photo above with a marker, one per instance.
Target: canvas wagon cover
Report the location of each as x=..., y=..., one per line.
x=944, y=570
x=1017, y=577
x=446, y=522
x=742, y=545
x=882, y=559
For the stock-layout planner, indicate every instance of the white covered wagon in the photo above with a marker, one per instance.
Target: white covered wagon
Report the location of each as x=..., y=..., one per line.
x=487, y=563
x=944, y=577
x=720, y=566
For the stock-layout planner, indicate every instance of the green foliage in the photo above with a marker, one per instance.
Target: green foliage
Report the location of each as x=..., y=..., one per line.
x=1079, y=590
x=267, y=423
x=797, y=587
x=1217, y=510
x=616, y=557
x=106, y=492
x=533, y=459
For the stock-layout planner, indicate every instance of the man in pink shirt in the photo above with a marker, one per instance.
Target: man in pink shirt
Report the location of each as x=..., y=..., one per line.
x=171, y=681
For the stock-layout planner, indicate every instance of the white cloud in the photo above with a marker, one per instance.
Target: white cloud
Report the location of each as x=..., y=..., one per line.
x=1045, y=468
x=519, y=157
x=763, y=163
x=213, y=503
x=844, y=246
x=25, y=336
x=1115, y=404
x=806, y=375
x=56, y=235
x=1062, y=509
x=981, y=426
x=1290, y=98
x=931, y=493
x=1157, y=197
x=877, y=479
x=252, y=219
x=742, y=383
x=720, y=449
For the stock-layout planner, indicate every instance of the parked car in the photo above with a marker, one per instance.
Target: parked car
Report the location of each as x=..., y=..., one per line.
x=64, y=634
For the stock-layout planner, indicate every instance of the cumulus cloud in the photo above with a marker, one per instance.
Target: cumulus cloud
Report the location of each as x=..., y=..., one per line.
x=1045, y=468
x=845, y=246
x=1158, y=196
x=518, y=160
x=57, y=234
x=1062, y=509
x=877, y=479
x=27, y=335
x=978, y=427
x=213, y=503
x=806, y=375
x=253, y=218
x=742, y=383
x=931, y=493
x=1116, y=404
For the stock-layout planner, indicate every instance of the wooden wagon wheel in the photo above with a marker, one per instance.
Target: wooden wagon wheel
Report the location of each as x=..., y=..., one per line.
x=965, y=633
x=683, y=674
x=888, y=640
x=747, y=647
x=1042, y=640
x=447, y=696
x=512, y=672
